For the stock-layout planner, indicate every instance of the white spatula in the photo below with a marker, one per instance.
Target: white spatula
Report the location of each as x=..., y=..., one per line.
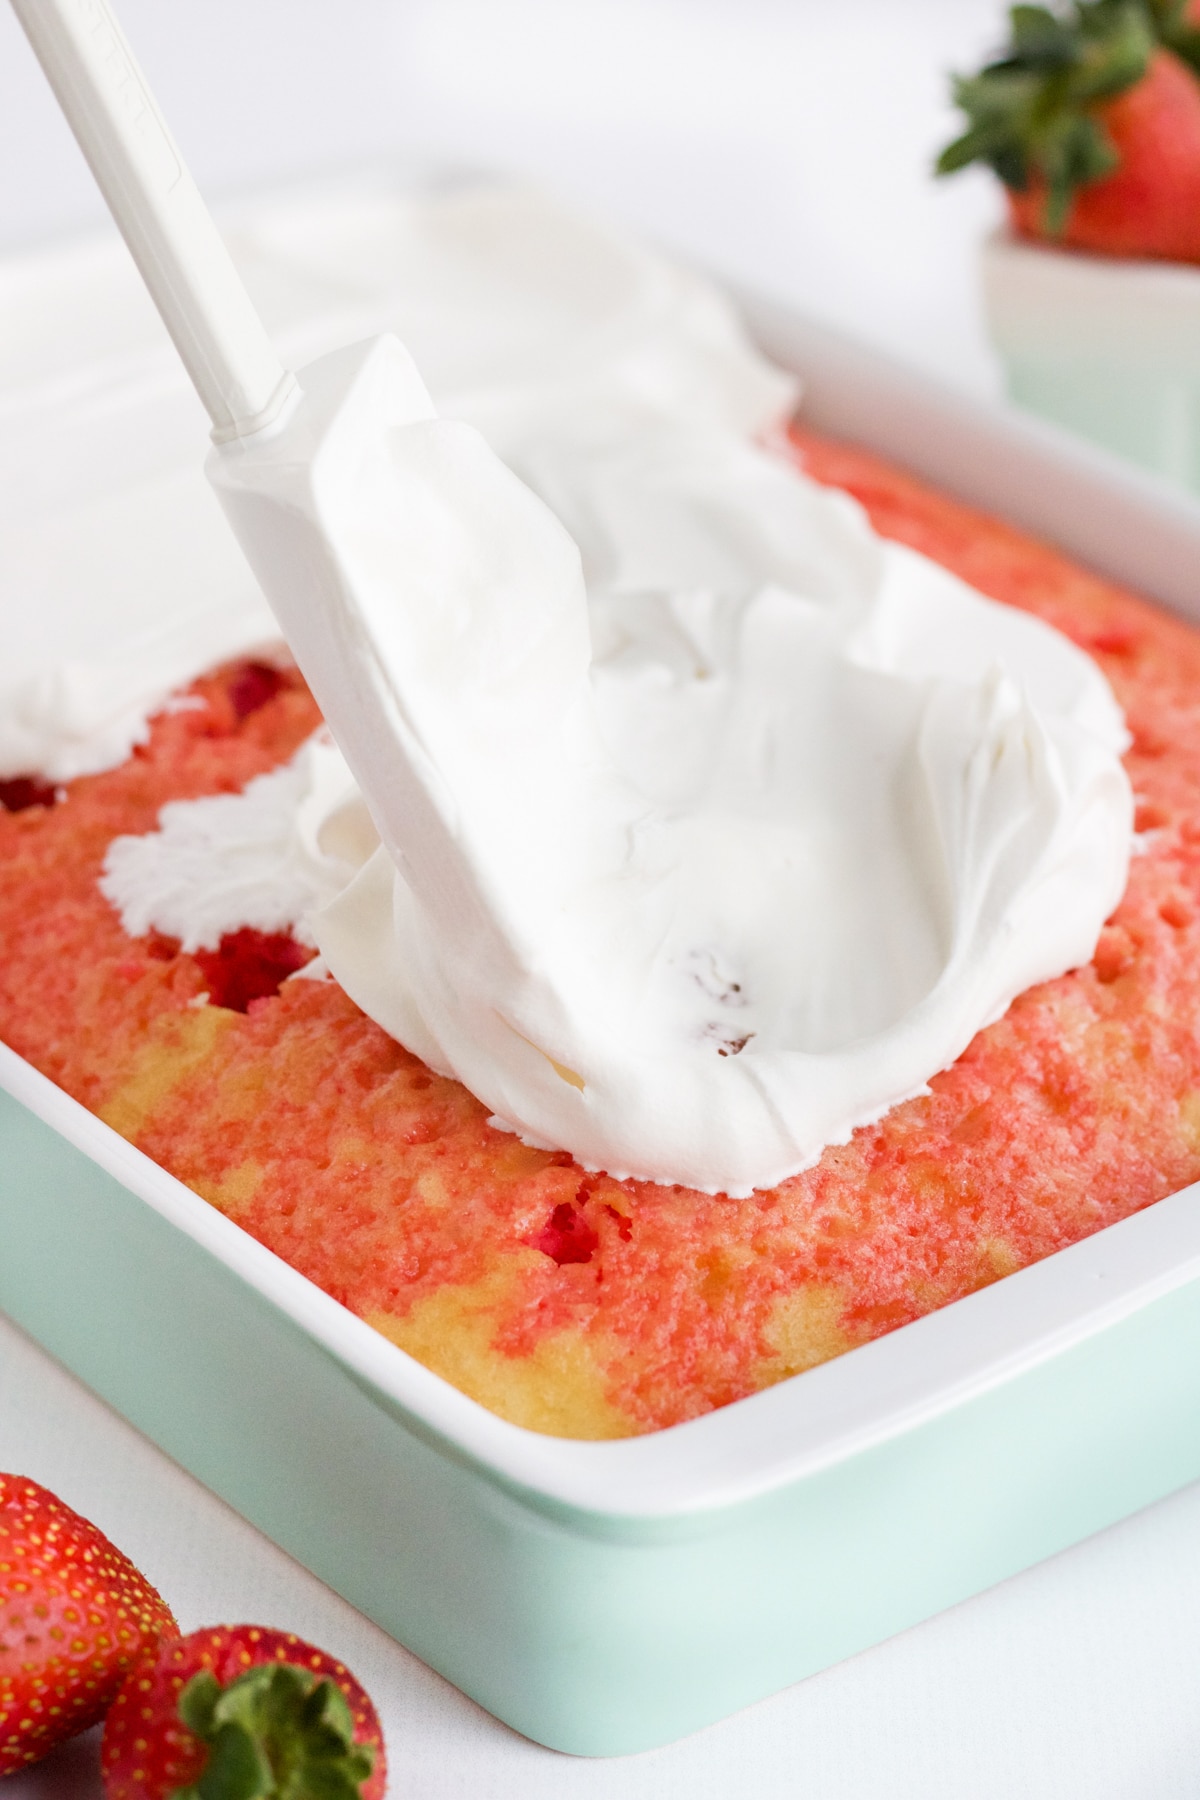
x=415, y=579
x=160, y=213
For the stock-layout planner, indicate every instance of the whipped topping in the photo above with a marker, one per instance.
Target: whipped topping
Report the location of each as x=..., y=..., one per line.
x=520, y=314
x=96, y=577
x=710, y=826
x=285, y=846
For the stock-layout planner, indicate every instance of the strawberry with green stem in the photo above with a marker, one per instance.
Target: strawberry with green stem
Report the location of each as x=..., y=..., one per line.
x=1091, y=118
x=241, y=1712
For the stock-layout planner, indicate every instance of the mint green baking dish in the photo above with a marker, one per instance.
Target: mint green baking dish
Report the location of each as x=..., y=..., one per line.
x=608, y=1597
x=605, y=1598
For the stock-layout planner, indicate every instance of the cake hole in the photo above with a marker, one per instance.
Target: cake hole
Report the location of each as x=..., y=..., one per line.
x=1177, y=911
x=1115, y=953
x=161, y=947
x=20, y=792
x=624, y=1223
x=1116, y=641
x=567, y=1237
x=1146, y=741
x=1150, y=817
x=252, y=687
x=250, y=965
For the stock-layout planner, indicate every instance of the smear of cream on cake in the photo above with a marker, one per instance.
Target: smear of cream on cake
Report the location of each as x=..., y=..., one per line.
x=266, y=858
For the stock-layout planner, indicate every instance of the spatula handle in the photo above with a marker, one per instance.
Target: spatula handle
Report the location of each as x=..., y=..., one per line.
x=158, y=209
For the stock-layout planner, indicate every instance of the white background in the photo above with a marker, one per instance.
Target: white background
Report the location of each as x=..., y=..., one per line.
x=787, y=141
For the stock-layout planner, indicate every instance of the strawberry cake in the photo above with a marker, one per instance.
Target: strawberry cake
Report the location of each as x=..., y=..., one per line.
x=565, y=1300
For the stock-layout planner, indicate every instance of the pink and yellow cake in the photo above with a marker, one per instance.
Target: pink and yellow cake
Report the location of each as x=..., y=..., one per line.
x=570, y=1302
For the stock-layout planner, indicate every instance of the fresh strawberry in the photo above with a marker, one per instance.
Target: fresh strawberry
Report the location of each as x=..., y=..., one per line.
x=1092, y=120
x=75, y=1616
x=240, y=1712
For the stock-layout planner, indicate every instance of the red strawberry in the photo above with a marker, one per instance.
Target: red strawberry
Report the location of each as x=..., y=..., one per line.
x=258, y=1714
x=75, y=1616
x=1092, y=121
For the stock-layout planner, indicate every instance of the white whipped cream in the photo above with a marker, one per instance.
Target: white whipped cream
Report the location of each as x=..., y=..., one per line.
x=711, y=825
x=815, y=813
x=519, y=313
x=285, y=846
x=101, y=633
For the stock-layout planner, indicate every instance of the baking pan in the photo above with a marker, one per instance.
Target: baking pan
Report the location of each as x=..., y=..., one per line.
x=608, y=1597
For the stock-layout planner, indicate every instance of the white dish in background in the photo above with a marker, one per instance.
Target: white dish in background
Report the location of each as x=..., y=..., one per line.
x=1106, y=346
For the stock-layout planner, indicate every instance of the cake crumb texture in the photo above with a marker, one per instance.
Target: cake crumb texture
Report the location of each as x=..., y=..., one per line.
x=568, y=1302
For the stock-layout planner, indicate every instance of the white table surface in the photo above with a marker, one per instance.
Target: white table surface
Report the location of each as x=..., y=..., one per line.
x=788, y=141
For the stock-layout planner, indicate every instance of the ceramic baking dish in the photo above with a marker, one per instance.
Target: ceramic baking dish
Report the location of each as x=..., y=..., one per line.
x=608, y=1597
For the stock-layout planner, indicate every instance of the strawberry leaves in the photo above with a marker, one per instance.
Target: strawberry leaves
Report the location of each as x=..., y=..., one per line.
x=1174, y=30
x=243, y=1712
x=275, y=1733
x=1034, y=114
